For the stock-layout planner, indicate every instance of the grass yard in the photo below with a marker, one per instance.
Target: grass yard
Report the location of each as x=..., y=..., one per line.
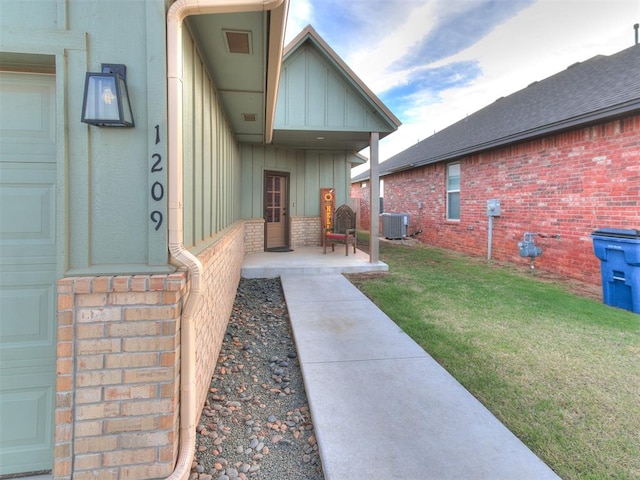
x=561, y=371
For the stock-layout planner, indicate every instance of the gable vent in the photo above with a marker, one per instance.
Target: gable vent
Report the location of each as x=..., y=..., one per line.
x=238, y=41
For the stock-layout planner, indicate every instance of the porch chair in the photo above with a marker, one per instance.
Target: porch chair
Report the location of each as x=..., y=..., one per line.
x=343, y=230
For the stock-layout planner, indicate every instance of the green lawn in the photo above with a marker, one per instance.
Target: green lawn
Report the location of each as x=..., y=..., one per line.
x=560, y=370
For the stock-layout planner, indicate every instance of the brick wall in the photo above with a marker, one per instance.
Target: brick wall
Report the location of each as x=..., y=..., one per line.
x=254, y=235
x=567, y=184
x=117, y=411
x=305, y=232
x=362, y=192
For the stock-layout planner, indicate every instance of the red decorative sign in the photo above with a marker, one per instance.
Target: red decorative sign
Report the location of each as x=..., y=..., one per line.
x=327, y=206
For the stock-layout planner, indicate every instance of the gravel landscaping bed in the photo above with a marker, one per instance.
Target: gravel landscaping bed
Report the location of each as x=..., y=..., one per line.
x=256, y=422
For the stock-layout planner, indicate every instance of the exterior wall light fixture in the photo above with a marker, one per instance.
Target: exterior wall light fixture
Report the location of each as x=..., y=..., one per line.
x=106, y=98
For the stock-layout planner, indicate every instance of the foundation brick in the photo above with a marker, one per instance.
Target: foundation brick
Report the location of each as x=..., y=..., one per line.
x=63, y=400
x=102, y=284
x=89, y=395
x=141, y=440
x=89, y=428
x=93, y=378
x=129, y=424
x=96, y=346
x=83, y=285
x=145, y=375
x=127, y=360
x=120, y=284
x=148, y=407
x=91, y=300
x=103, y=443
x=157, y=283
x=110, y=314
x=65, y=301
x=65, y=318
x=90, y=331
x=125, y=335
x=135, y=298
x=65, y=333
x=90, y=362
x=139, y=283
x=129, y=392
x=129, y=457
x=64, y=366
x=97, y=411
x=134, y=329
x=306, y=231
x=145, y=471
x=104, y=474
x=64, y=383
x=88, y=462
x=144, y=344
x=153, y=313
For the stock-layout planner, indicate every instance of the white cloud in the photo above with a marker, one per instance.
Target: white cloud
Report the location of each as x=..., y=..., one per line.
x=539, y=41
x=371, y=62
x=299, y=16
x=542, y=40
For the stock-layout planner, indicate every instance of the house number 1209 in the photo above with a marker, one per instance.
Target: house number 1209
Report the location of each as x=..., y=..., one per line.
x=157, y=188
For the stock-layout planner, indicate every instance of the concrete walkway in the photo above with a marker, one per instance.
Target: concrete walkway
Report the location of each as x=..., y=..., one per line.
x=383, y=408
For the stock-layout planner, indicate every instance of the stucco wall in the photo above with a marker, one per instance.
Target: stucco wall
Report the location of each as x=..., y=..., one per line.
x=117, y=410
x=567, y=184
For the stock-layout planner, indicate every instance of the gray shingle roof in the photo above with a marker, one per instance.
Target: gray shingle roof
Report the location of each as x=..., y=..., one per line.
x=602, y=87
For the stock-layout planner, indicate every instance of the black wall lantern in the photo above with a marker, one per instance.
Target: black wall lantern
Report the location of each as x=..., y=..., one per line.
x=106, y=99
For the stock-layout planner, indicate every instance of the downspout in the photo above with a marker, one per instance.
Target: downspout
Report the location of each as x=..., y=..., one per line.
x=178, y=11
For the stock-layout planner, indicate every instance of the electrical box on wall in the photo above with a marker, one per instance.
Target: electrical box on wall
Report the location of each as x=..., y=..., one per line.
x=493, y=208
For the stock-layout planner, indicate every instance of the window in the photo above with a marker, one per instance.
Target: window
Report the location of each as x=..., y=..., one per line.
x=453, y=191
x=381, y=196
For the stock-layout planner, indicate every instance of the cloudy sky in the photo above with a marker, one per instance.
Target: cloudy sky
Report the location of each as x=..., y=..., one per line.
x=432, y=62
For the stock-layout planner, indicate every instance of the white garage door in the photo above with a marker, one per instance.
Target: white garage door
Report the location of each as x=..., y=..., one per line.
x=27, y=271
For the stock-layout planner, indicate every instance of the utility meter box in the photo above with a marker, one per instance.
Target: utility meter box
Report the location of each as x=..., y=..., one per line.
x=528, y=247
x=493, y=208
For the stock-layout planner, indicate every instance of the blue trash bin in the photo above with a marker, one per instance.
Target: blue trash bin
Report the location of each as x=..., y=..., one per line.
x=619, y=253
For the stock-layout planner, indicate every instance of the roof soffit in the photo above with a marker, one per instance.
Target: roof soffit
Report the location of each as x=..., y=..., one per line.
x=242, y=80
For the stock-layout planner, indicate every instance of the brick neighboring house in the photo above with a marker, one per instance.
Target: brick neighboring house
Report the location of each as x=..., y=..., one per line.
x=562, y=156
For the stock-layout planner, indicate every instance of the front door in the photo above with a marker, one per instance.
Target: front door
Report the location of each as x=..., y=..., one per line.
x=27, y=271
x=275, y=210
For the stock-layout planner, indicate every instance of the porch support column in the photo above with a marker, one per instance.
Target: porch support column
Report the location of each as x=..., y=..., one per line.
x=374, y=200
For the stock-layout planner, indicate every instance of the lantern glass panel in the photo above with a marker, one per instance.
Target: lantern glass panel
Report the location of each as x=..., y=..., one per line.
x=102, y=98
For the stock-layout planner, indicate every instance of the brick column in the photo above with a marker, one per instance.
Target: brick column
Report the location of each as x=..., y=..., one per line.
x=118, y=376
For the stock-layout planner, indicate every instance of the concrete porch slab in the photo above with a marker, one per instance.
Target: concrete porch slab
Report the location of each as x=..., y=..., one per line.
x=307, y=261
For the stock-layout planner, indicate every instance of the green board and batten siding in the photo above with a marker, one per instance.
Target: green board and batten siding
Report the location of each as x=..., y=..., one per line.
x=211, y=156
x=316, y=95
x=309, y=170
x=68, y=208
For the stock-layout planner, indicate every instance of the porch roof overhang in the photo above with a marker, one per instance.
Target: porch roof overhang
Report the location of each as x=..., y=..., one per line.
x=242, y=51
x=352, y=141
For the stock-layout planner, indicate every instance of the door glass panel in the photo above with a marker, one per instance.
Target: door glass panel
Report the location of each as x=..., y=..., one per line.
x=273, y=199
